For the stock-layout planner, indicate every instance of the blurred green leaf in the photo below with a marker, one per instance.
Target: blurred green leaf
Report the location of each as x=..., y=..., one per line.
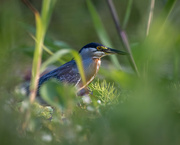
x=54, y=58
x=61, y=44
x=58, y=94
x=98, y=24
x=46, y=12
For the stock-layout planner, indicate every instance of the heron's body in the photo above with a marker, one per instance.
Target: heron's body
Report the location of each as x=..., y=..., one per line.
x=68, y=73
x=91, y=57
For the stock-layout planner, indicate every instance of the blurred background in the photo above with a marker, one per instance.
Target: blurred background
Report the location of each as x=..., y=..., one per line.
x=133, y=110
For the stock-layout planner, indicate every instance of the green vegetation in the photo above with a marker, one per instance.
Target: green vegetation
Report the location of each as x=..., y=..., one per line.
x=122, y=108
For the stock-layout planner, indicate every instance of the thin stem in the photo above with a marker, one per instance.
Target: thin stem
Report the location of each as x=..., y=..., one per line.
x=37, y=52
x=122, y=35
x=150, y=16
x=41, y=27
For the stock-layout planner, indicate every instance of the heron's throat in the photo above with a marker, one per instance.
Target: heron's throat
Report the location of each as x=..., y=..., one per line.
x=98, y=64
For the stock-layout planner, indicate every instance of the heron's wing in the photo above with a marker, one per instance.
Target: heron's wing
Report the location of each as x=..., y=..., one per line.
x=66, y=73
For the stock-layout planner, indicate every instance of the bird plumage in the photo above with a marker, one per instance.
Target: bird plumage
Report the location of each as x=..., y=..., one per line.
x=67, y=73
x=91, y=58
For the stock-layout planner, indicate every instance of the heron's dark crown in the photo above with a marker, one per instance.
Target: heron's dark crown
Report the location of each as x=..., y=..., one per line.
x=90, y=45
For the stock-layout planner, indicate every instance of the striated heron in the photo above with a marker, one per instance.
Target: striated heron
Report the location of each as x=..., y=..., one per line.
x=91, y=57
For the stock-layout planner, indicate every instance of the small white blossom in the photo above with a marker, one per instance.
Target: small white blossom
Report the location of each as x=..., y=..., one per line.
x=99, y=101
x=46, y=137
x=86, y=99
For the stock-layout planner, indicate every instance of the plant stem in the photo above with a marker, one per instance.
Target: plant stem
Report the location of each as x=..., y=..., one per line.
x=122, y=35
x=37, y=52
x=41, y=27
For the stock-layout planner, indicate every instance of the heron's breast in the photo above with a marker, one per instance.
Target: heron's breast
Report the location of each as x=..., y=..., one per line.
x=92, y=70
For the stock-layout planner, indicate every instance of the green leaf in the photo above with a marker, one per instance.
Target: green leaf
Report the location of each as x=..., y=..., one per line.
x=47, y=8
x=58, y=94
x=53, y=58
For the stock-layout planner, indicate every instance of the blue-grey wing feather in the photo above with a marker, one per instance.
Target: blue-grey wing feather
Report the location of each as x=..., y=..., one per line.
x=66, y=73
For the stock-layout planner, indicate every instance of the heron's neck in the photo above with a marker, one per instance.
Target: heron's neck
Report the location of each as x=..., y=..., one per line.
x=91, y=68
x=94, y=69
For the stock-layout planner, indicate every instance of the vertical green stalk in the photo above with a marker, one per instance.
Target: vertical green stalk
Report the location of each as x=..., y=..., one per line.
x=37, y=57
x=41, y=27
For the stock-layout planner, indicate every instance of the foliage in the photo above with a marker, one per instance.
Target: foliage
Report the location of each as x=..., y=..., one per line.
x=105, y=92
x=122, y=108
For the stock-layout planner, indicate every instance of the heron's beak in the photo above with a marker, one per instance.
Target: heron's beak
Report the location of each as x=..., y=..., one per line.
x=114, y=51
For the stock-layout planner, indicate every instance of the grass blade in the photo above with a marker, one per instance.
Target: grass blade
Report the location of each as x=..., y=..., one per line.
x=41, y=26
x=47, y=9
x=37, y=57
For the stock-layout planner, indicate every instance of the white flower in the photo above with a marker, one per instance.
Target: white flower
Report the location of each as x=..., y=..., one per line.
x=47, y=137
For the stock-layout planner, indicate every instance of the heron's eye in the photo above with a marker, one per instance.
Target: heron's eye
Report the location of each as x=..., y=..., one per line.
x=99, y=48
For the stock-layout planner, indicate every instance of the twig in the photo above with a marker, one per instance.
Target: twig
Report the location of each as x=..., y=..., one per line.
x=150, y=16
x=122, y=35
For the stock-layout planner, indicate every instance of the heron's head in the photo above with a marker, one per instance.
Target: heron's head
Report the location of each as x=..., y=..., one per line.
x=96, y=50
